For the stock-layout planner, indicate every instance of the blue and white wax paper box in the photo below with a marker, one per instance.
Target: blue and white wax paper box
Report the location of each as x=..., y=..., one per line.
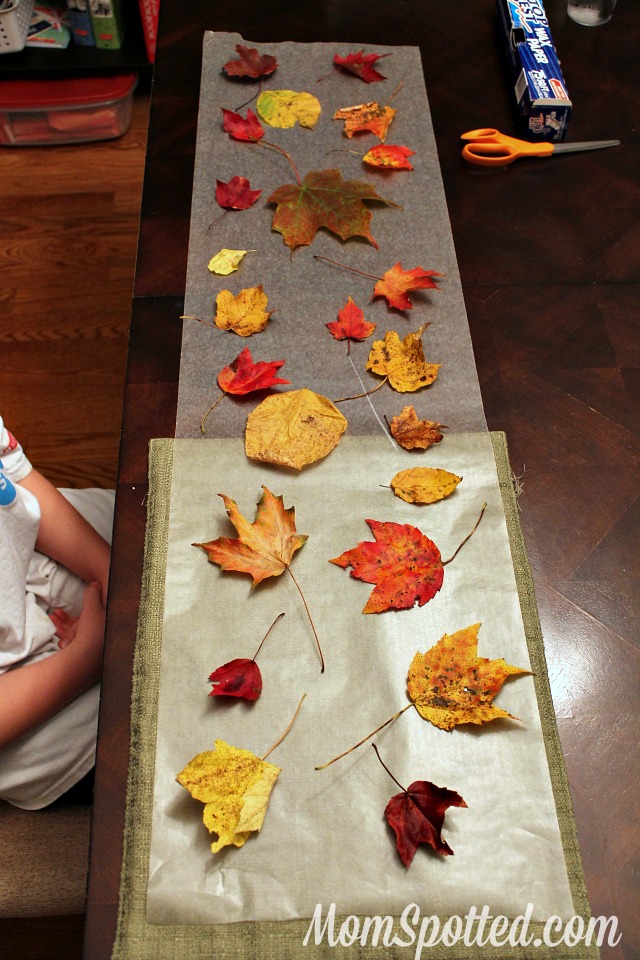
x=540, y=92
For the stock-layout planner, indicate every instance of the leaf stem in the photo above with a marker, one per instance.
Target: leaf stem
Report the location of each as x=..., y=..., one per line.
x=397, y=782
x=310, y=619
x=359, y=395
x=214, y=404
x=468, y=536
x=283, y=735
x=368, y=737
x=223, y=214
x=185, y=316
x=316, y=256
x=266, y=635
x=274, y=146
x=251, y=99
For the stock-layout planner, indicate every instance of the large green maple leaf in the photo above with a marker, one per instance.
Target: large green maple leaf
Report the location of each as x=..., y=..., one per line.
x=323, y=199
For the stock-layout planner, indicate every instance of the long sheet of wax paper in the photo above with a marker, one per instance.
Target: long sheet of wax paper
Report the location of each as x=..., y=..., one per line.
x=324, y=839
x=303, y=293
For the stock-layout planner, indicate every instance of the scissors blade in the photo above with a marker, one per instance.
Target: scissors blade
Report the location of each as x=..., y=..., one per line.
x=584, y=145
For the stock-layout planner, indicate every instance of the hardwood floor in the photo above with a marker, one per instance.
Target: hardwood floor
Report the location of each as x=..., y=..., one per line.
x=68, y=232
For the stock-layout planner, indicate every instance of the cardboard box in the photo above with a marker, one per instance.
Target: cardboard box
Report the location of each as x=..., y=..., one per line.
x=538, y=85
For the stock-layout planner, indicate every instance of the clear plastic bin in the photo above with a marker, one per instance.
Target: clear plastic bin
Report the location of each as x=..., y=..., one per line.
x=76, y=110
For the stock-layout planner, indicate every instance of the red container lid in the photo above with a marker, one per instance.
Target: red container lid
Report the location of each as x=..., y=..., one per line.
x=73, y=92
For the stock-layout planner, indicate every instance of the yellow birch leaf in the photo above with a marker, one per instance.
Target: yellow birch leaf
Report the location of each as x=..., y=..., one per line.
x=283, y=108
x=235, y=787
x=366, y=117
x=293, y=429
x=424, y=484
x=402, y=361
x=245, y=313
x=226, y=261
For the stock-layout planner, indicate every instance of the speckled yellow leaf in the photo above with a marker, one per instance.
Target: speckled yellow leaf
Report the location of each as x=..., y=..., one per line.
x=226, y=261
x=450, y=684
x=293, y=429
x=285, y=108
x=424, y=484
x=366, y=117
x=402, y=361
x=235, y=787
x=245, y=313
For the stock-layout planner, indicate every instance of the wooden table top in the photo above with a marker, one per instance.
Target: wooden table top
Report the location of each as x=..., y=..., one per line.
x=548, y=254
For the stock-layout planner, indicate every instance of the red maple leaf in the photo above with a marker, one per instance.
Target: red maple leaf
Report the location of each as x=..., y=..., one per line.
x=237, y=678
x=361, y=64
x=395, y=283
x=236, y=194
x=250, y=63
x=246, y=128
x=350, y=324
x=417, y=815
x=244, y=376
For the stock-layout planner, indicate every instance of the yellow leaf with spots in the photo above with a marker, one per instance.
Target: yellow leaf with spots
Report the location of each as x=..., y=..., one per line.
x=450, y=684
x=293, y=429
x=366, y=118
x=243, y=314
x=424, y=484
x=226, y=261
x=235, y=787
x=402, y=361
x=285, y=108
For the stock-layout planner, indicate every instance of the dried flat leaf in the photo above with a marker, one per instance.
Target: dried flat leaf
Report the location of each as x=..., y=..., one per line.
x=366, y=118
x=412, y=433
x=350, y=324
x=417, y=815
x=450, y=684
x=323, y=199
x=395, y=283
x=250, y=63
x=244, y=376
x=245, y=313
x=389, y=156
x=226, y=261
x=361, y=64
x=248, y=129
x=402, y=361
x=235, y=787
x=293, y=429
x=236, y=194
x=264, y=548
x=285, y=108
x=238, y=678
x=424, y=484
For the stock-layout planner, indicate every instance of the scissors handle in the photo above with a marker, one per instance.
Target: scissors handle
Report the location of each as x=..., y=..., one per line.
x=488, y=147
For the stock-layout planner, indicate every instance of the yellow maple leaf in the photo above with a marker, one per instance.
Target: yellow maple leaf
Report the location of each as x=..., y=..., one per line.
x=450, y=684
x=293, y=429
x=402, y=361
x=424, y=484
x=412, y=433
x=366, y=117
x=226, y=261
x=244, y=313
x=285, y=108
x=235, y=787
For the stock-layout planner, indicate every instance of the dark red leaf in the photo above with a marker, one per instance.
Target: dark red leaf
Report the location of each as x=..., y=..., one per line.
x=417, y=815
x=246, y=128
x=237, y=678
x=361, y=64
x=250, y=63
x=236, y=195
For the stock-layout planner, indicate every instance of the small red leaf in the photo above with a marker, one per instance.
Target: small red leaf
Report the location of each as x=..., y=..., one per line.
x=417, y=815
x=237, y=678
x=244, y=376
x=361, y=64
x=387, y=155
x=246, y=128
x=250, y=63
x=236, y=195
x=350, y=324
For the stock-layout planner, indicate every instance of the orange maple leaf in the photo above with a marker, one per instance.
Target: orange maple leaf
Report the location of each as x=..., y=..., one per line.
x=366, y=118
x=350, y=324
x=391, y=156
x=395, y=283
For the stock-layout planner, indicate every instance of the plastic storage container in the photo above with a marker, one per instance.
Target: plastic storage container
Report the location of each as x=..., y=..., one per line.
x=14, y=25
x=76, y=110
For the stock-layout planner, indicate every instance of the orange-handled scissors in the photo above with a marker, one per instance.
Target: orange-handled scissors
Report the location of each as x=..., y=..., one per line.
x=489, y=148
